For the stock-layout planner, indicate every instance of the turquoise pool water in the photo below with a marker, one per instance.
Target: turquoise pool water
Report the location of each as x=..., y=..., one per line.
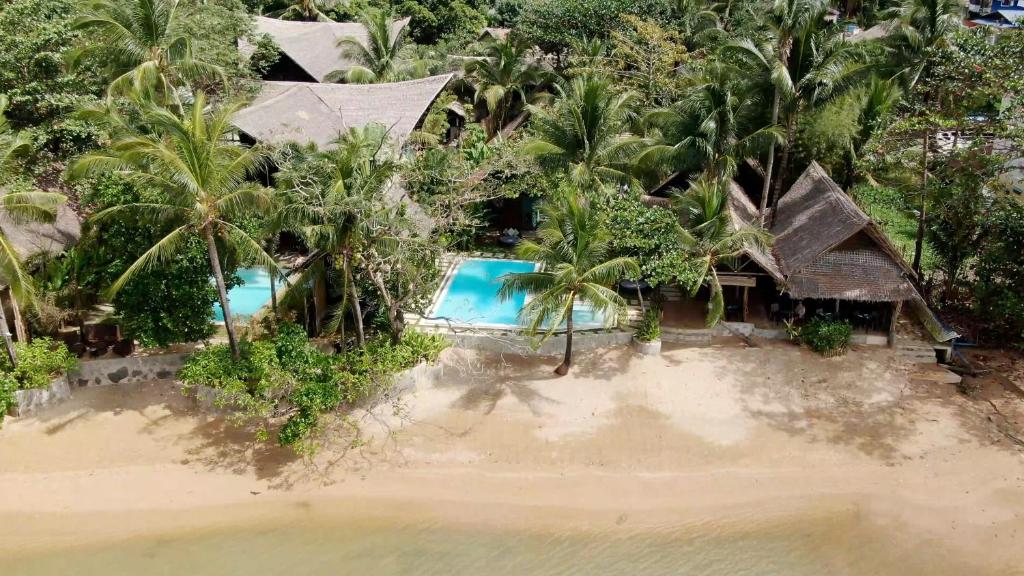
x=471, y=296
x=247, y=298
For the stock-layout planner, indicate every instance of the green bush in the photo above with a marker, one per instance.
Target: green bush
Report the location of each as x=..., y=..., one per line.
x=39, y=362
x=827, y=337
x=285, y=376
x=554, y=25
x=649, y=329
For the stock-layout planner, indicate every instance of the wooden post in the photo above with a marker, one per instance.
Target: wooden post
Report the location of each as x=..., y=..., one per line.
x=20, y=329
x=746, y=307
x=896, y=307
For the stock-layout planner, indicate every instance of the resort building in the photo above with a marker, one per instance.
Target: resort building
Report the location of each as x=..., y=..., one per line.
x=309, y=51
x=306, y=112
x=827, y=258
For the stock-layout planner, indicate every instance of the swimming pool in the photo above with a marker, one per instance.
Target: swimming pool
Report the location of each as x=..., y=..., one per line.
x=250, y=296
x=469, y=296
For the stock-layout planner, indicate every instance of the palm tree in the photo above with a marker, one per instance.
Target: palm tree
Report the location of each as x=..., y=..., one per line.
x=875, y=105
x=585, y=132
x=144, y=47
x=309, y=10
x=380, y=58
x=710, y=124
x=502, y=76
x=785, y=19
x=21, y=207
x=334, y=216
x=574, y=254
x=710, y=238
x=203, y=177
x=916, y=29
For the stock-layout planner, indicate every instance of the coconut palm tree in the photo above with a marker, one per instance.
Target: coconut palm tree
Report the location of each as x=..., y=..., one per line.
x=586, y=132
x=203, y=177
x=785, y=19
x=308, y=10
x=916, y=29
x=573, y=251
x=502, y=77
x=143, y=46
x=335, y=215
x=22, y=207
x=712, y=124
x=379, y=59
x=707, y=232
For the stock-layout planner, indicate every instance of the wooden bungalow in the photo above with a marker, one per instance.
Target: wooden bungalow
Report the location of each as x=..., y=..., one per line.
x=309, y=51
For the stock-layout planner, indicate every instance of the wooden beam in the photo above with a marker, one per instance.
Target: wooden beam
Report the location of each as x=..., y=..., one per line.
x=896, y=308
x=746, y=307
x=737, y=280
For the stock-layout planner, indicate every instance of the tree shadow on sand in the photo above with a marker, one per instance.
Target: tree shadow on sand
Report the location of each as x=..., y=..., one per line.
x=848, y=401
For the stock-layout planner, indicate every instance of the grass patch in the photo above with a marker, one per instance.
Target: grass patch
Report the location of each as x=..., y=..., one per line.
x=892, y=210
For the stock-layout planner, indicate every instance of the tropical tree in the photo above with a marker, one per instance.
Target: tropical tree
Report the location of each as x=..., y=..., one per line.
x=785, y=19
x=143, y=46
x=379, y=59
x=22, y=207
x=917, y=28
x=334, y=199
x=586, y=132
x=502, y=77
x=875, y=105
x=713, y=124
x=203, y=177
x=711, y=239
x=573, y=250
x=309, y=10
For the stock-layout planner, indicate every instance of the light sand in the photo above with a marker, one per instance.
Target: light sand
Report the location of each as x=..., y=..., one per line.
x=723, y=434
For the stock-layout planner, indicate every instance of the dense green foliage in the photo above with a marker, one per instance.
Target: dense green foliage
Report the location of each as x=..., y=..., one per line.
x=999, y=283
x=161, y=305
x=39, y=362
x=827, y=337
x=649, y=235
x=555, y=25
x=284, y=376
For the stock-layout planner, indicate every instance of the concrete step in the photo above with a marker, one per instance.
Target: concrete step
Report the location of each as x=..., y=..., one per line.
x=935, y=373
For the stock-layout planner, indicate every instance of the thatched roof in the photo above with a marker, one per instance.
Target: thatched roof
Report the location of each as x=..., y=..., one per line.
x=313, y=46
x=827, y=247
x=36, y=239
x=307, y=112
x=742, y=213
x=496, y=33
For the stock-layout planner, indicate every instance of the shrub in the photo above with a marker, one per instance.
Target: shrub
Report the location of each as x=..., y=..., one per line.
x=39, y=362
x=649, y=329
x=827, y=337
x=554, y=25
x=286, y=376
x=999, y=273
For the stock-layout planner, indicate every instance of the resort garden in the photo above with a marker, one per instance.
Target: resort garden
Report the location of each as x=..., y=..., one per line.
x=765, y=161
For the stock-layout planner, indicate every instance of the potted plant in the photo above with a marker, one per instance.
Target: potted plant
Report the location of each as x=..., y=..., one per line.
x=827, y=337
x=647, y=338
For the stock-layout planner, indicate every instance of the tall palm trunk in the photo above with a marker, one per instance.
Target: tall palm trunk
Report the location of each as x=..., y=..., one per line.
x=563, y=368
x=273, y=293
x=766, y=187
x=922, y=213
x=222, y=291
x=357, y=309
x=787, y=150
x=20, y=328
x=8, y=342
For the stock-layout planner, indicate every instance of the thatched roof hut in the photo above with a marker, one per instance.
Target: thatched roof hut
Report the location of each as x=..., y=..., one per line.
x=36, y=239
x=313, y=46
x=308, y=112
x=828, y=248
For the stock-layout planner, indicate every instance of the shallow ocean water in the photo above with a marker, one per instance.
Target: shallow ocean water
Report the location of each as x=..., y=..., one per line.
x=833, y=544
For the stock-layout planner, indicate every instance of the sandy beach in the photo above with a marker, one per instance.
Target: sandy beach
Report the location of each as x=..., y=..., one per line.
x=728, y=439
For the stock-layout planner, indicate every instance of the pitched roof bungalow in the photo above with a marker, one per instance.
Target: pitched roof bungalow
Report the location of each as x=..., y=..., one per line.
x=309, y=50
x=307, y=112
x=826, y=253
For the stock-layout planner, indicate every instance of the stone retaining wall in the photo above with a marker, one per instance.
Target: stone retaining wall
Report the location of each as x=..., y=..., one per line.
x=130, y=370
x=29, y=401
x=512, y=343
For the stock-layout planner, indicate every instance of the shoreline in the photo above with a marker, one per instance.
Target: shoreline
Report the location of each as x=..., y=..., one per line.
x=757, y=440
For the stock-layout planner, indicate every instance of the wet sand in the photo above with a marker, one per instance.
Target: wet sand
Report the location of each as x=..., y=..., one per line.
x=726, y=441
